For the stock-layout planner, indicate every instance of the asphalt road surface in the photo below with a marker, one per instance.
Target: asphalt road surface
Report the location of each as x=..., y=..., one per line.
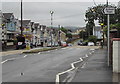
x=40, y=67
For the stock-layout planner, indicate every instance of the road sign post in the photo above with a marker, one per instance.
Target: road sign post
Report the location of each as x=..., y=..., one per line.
x=108, y=11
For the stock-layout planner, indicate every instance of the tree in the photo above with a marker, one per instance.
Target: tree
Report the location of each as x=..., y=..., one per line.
x=82, y=35
x=113, y=26
x=118, y=29
x=96, y=13
x=64, y=30
x=69, y=35
x=92, y=39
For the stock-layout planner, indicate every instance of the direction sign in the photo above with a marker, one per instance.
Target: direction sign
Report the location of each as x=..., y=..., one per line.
x=109, y=10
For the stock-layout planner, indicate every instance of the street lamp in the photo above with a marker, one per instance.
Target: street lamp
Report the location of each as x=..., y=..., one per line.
x=51, y=13
x=41, y=36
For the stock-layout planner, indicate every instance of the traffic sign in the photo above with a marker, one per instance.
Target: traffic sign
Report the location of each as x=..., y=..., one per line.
x=109, y=10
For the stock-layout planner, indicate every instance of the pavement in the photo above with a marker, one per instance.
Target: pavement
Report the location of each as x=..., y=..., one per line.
x=96, y=69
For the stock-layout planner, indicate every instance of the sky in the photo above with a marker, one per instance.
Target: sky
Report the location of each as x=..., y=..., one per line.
x=65, y=13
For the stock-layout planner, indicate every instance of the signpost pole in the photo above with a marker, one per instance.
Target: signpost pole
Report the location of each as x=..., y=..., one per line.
x=108, y=10
x=108, y=33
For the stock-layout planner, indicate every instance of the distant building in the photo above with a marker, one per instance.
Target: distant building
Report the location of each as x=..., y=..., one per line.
x=97, y=32
x=62, y=36
x=75, y=36
x=79, y=30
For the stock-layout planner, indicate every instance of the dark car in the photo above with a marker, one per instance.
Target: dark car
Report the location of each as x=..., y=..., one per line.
x=20, y=45
x=85, y=43
x=23, y=46
x=80, y=43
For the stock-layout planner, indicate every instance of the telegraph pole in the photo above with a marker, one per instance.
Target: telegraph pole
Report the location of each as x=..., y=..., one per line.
x=59, y=41
x=21, y=28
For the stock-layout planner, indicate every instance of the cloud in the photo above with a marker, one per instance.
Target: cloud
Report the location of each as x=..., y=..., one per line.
x=66, y=14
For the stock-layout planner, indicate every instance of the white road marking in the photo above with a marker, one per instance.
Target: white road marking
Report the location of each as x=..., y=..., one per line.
x=7, y=60
x=25, y=56
x=64, y=48
x=86, y=55
x=90, y=53
x=81, y=59
x=4, y=61
x=12, y=59
x=48, y=51
x=39, y=52
x=73, y=67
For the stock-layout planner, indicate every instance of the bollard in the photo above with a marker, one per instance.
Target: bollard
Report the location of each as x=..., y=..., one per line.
x=27, y=46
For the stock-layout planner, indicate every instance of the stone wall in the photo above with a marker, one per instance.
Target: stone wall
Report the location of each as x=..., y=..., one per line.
x=116, y=55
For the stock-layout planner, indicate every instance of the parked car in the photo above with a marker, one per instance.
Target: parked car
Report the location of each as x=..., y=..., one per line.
x=49, y=44
x=85, y=43
x=54, y=44
x=22, y=45
x=91, y=44
x=80, y=43
x=69, y=44
x=64, y=44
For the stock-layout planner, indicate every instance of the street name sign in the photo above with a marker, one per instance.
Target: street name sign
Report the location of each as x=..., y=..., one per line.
x=109, y=10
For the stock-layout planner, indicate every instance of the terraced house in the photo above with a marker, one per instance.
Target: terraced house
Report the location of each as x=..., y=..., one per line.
x=27, y=30
x=34, y=33
x=9, y=26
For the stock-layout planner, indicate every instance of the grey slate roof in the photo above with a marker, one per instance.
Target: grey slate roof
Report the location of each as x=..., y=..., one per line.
x=36, y=25
x=25, y=22
x=7, y=15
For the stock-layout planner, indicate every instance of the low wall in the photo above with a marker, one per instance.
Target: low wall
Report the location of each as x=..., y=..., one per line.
x=116, y=55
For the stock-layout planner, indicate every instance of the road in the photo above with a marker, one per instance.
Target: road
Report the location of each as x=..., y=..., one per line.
x=40, y=67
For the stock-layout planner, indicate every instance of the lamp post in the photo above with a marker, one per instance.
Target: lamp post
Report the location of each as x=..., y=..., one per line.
x=41, y=36
x=51, y=13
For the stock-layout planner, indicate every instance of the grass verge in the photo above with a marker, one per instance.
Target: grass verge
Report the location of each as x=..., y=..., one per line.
x=39, y=50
